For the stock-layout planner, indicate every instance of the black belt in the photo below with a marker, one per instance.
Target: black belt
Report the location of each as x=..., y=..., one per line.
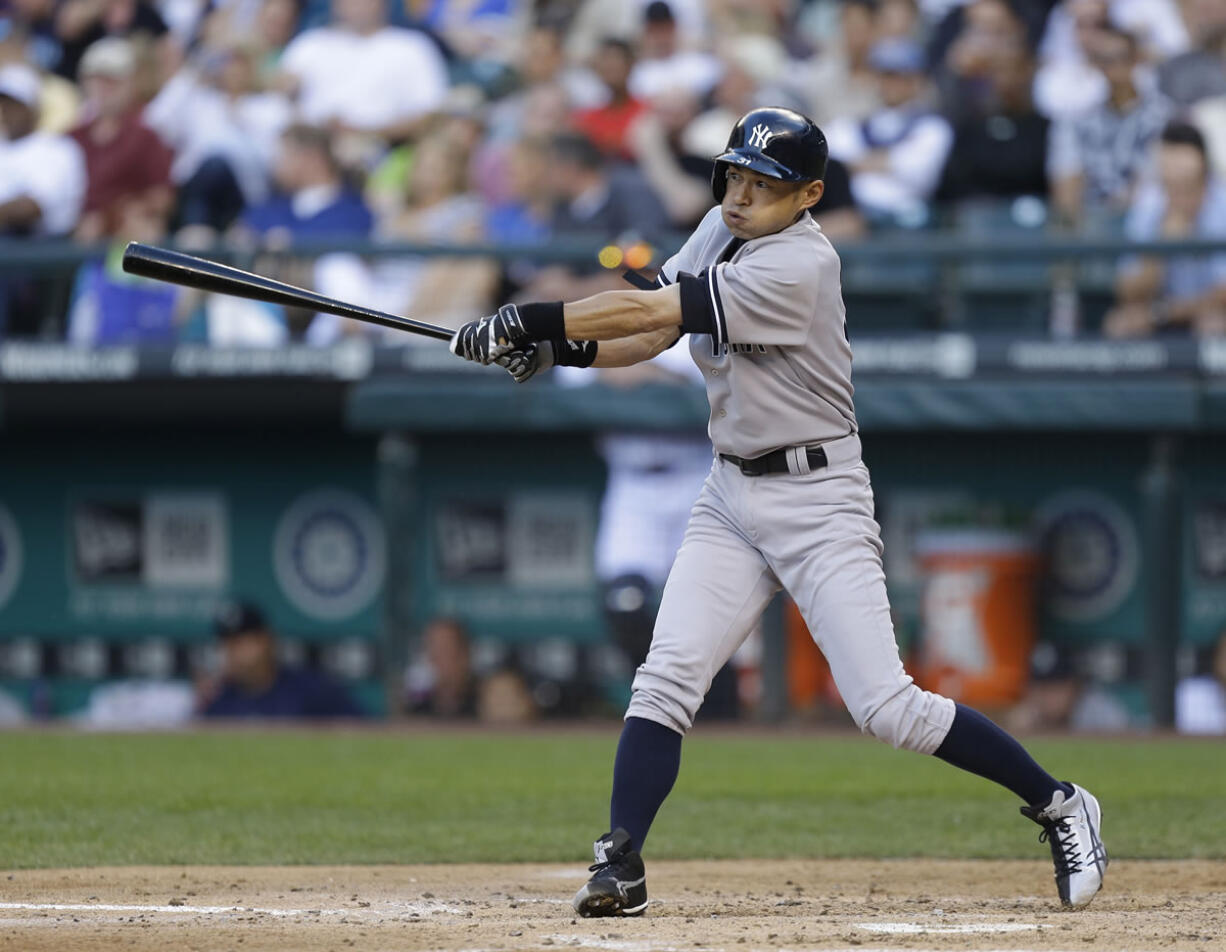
x=775, y=461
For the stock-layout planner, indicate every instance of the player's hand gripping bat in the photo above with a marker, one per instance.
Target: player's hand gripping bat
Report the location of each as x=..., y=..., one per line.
x=193, y=272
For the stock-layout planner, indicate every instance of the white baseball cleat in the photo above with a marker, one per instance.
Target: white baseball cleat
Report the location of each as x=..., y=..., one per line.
x=1071, y=826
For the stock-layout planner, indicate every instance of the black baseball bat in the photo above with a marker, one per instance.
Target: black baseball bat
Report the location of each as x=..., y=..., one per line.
x=193, y=272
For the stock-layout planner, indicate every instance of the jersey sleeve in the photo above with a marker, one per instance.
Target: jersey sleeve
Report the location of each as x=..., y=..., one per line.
x=764, y=298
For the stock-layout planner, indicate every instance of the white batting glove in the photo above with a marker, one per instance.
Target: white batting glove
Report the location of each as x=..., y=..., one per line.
x=484, y=341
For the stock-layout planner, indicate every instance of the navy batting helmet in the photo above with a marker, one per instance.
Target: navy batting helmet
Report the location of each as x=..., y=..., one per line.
x=776, y=142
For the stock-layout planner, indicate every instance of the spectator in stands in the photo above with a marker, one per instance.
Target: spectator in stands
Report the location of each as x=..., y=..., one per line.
x=59, y=101
x=1001, y=151
x=1201, y=71
x=521, y=212
x=985, y=29
x=1059, y=697
x=1209, y=115
x=1066, y=84
x=441, y=682
x=1200, y=700
x=548, y=90
x=32, y=22
x=481, y=37
x=1183, y=293
x=505, y=697
x=82, y=23
x=1095, y=160
x=225, y=129
x=363, y=77
x=42, y=176
x=594, y=198
x=254, y=683
x=607, y=125
x=274, y=29
x=664, y=65
x=125, y=160
x=313, y=198
x=842, y=84
x=439, y=204
x=895, y=156
x=109, y=306
x=598, y=19
x=676, y=173
x=42, y=184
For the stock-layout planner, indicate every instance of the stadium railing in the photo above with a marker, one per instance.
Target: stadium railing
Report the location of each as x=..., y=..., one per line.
x=922, y=280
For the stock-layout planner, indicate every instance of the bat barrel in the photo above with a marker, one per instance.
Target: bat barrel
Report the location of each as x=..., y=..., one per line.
x=177, y=267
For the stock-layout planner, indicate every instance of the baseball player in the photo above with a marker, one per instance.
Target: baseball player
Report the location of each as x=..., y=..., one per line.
x=787, y=502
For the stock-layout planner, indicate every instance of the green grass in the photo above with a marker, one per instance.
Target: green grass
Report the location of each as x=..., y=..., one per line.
x=296, y=797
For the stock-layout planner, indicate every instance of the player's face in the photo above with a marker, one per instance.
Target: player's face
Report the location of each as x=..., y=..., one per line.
x=755, y=205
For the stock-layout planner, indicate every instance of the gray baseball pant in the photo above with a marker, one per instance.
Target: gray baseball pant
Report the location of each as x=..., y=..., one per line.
x=812, y=534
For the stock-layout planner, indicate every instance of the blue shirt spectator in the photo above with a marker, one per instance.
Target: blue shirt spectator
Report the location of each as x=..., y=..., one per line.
x=1182, y=292
x=253, y=683
x=295, y=692
x=314, y=200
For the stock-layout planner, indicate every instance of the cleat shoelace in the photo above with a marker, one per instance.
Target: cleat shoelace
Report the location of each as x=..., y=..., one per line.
x=1062, y=839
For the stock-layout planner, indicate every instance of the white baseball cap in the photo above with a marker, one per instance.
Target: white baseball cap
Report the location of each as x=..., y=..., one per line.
x=109, y=56
x=20, y=82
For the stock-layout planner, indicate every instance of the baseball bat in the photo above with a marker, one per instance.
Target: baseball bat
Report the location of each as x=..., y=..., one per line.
x=190, y=271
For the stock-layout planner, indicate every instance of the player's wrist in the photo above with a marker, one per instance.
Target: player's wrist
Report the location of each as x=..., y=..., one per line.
x=543, y=320
x=573, y=353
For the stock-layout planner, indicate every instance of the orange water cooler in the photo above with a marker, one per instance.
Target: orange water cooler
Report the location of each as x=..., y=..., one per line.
x=977, y=614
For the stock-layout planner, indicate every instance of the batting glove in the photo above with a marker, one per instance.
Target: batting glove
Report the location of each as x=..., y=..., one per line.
x=485, y=340
x=525, y=363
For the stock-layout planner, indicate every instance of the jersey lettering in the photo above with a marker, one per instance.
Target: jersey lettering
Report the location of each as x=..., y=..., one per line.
x=744, y=349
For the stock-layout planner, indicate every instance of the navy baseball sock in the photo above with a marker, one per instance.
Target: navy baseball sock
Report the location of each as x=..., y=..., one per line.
x=648, y=758
x=974, y=743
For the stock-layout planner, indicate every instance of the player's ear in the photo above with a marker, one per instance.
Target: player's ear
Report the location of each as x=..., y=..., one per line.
x=811, y=193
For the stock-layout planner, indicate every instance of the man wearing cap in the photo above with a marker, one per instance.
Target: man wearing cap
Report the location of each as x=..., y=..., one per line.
x=42, y=176
x=42, y=181
x=254, y=683
x=126, y=161
x=896, y=154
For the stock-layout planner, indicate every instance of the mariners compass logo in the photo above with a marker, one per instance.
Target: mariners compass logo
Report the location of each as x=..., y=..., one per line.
x=760, y=136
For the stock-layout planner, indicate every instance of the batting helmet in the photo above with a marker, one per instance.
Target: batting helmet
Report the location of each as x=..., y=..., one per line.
x=776, y=142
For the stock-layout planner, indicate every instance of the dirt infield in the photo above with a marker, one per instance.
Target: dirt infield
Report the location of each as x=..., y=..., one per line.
x=696, y=906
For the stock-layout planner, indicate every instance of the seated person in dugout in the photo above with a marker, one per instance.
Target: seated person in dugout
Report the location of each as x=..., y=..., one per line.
x=253, y=681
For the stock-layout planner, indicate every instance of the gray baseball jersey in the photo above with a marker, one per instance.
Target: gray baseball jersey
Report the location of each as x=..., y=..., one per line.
x=778, y=374
x=778, y=365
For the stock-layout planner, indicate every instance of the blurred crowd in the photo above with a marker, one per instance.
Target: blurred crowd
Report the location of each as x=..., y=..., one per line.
x=268, y=124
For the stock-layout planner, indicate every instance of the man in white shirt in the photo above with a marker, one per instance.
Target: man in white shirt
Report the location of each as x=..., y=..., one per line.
x=42, y=187
x=896, y=154
x=42, y=175
x=359, y=74
x=664, y=66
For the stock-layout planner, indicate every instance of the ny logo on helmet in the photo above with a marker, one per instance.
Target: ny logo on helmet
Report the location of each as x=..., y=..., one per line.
x=760, y=136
